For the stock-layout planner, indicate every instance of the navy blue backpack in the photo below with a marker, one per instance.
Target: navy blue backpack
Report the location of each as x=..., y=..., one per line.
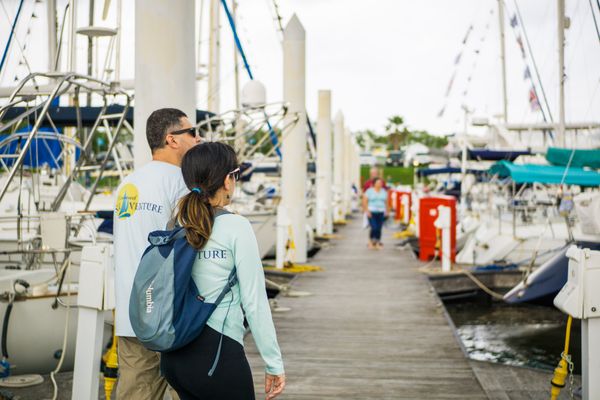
x=165, y=308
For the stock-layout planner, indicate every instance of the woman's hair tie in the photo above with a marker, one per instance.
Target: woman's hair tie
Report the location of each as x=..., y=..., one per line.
x=197, y=190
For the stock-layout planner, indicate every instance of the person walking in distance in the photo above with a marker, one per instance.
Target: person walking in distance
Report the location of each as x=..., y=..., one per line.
x=214, y=366
x=145, y=202
x=376, y=206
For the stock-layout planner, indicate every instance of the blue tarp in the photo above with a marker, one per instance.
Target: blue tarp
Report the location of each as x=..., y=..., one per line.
x=549, y=174
x=446, y=170
x=496, y=155
x=41, y=151
x=67, y=116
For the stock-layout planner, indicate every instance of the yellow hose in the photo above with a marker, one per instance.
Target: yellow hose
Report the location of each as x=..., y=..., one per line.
x=111, y=367
x=561, y=371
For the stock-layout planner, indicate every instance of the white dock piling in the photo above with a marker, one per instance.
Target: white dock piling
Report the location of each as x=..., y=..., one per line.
x=348, y=174
x=443, y=223
x=168, y=80
x=293, y=169
x=213, y=99
x=338, y=166
x=324, y=165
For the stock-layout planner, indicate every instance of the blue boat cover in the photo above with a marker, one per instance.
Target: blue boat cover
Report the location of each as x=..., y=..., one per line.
x=446, y=170
x=41, y=151
x=496, y=155
x=579, y=158
x=548, y=174
x=67, y=116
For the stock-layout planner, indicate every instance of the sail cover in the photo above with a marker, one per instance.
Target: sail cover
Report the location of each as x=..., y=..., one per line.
x=580, y=158
x=548, y=174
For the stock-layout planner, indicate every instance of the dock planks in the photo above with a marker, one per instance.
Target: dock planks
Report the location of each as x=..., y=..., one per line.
x=372, y=329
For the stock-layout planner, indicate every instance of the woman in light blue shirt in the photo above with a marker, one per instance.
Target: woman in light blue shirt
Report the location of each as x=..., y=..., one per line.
x=210, y=171
x=376, y=206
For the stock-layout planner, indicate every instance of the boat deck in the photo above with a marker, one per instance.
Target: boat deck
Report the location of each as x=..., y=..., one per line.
x=372, y=329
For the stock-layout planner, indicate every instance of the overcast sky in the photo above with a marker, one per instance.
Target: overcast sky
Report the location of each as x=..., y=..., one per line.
x=383, y=57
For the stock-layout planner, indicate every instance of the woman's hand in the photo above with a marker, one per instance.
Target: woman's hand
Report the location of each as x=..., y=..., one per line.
x=369, y=215
x=274, y=385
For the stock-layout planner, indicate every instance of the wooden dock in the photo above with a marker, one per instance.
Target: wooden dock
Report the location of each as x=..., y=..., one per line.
x=375, y=329
x=372, y=329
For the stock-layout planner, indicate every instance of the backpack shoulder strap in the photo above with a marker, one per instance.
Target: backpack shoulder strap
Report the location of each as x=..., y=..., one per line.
x=221, y=211
x=231, y=282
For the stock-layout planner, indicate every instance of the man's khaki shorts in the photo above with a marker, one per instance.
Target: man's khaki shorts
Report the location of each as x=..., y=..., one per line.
x=139, y=372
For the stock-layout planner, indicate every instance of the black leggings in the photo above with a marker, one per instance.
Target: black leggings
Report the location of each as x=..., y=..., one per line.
x=186, y=369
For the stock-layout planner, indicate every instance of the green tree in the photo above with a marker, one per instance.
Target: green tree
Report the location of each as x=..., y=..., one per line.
x=397, y=132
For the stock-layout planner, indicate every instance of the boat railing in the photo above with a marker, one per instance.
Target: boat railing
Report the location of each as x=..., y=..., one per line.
x=38, y=104
x=239, y=126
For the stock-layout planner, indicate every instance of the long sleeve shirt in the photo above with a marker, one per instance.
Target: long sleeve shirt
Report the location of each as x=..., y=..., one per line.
x=233, y=243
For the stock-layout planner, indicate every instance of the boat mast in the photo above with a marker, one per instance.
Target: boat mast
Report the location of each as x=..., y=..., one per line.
x=503, y=61
x=51, y=15
x=213, y=99
x=73, y=37
x=561, y=74
x=90, y=50
x=117, y=75
x=235, y=59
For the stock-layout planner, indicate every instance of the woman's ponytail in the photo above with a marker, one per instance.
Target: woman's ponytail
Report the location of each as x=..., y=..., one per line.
x=195, y=215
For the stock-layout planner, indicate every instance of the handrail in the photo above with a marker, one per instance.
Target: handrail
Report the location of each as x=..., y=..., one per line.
x=64, y=84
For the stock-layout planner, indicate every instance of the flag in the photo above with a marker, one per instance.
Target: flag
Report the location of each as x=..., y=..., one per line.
x=450, y=84
x=534, y=103
x=520, y=43
x=457, y=59
x=467, y=34
x=527, y=74
x=513, y=21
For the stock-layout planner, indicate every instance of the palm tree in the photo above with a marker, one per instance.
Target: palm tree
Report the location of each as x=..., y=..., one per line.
x=397, y=132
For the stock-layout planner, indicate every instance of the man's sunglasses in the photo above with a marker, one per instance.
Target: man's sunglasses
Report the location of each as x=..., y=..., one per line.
x=193, y=132
x=235, y=174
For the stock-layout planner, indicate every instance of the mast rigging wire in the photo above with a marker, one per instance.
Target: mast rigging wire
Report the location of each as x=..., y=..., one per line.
x=12, y=31
x=594, y=17
x=535, y=68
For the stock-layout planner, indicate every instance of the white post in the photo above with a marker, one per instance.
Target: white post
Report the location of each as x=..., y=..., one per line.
x=293, y=169
x=346, y=171
x=214, y=49
x=561, y=74
x=96, y=294
x=463, y=174
x=590, y=357
x=443, y=223
x=324, y=165
x=165, y=73
x=283, y=224
x=338, y=166
x=405, y=204
x=356, y=174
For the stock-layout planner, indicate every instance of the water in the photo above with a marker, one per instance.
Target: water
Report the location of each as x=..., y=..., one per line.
x=523, y=335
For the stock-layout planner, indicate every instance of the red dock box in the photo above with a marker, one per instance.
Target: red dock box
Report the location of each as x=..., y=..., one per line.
x=428, y=213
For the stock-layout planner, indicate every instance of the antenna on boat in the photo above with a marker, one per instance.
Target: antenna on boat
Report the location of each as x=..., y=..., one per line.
x=563, y=23
x=503, y=60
